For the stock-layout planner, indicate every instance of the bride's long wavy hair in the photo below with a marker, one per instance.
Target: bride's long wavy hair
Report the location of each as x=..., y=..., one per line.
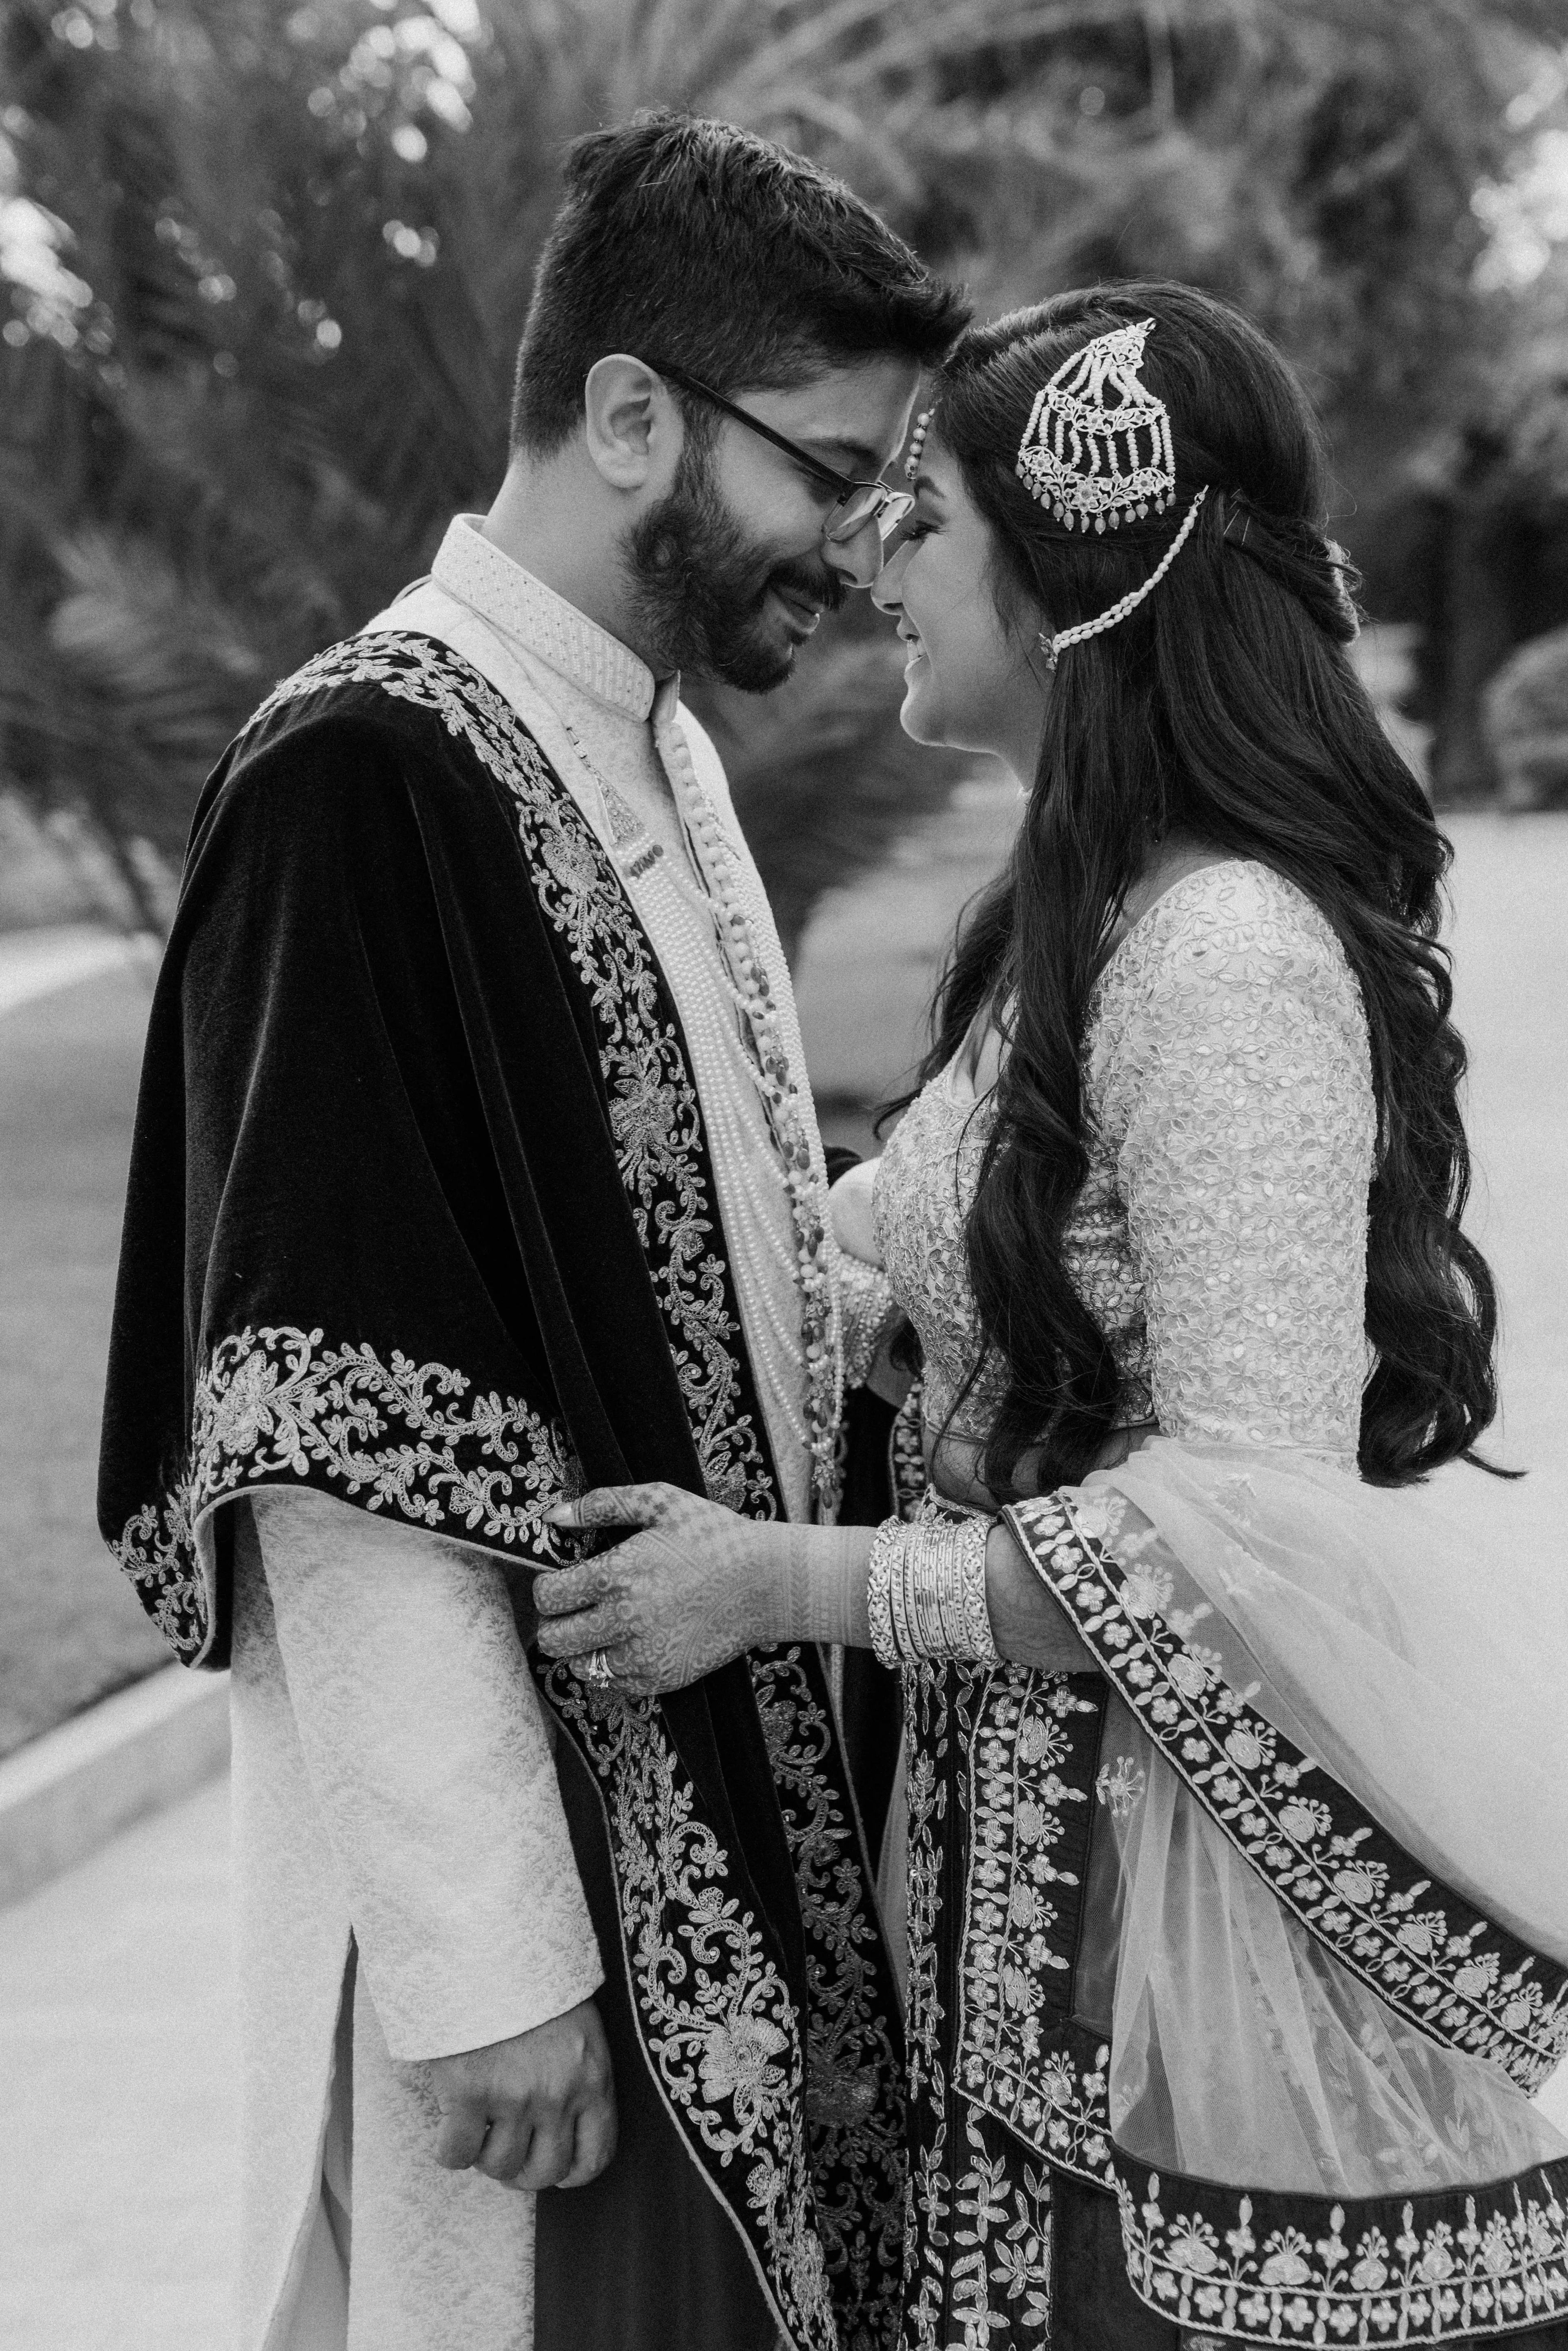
x=1225, y=707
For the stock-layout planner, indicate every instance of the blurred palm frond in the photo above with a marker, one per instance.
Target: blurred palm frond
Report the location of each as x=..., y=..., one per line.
x=293, y=242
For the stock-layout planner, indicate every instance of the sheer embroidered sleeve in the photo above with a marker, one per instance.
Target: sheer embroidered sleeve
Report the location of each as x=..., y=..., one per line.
x=1229, y=1070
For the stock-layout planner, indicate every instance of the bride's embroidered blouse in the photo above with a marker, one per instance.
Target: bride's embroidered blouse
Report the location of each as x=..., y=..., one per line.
x=1221, y=1238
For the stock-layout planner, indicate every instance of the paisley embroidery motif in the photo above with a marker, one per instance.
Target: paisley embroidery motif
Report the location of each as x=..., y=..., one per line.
x=277, y=1404
x=1462, y=1979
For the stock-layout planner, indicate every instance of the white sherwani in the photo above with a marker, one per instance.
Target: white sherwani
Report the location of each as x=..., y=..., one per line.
x=406, y=1884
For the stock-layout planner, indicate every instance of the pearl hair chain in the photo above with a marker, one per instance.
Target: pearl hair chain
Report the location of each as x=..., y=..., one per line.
x=1051, y=646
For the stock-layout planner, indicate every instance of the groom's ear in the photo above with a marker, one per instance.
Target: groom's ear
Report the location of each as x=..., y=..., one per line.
x=633, y=426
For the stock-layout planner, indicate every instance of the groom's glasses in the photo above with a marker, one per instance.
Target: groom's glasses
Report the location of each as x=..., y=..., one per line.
x=857, y=505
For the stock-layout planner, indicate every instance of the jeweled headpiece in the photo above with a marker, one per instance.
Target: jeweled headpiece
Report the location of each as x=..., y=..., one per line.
x=918, y=442
x=1098, y=442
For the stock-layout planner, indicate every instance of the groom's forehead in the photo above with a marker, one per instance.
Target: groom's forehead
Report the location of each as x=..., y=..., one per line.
x=851, y=416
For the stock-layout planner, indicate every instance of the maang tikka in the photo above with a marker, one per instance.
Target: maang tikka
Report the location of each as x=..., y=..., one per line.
x=1091, y=458
x=1090, y=462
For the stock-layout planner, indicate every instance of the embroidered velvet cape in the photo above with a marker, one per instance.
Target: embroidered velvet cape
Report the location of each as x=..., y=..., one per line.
x=421, y=1216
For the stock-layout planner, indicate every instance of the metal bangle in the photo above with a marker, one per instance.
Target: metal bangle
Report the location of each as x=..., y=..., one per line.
x=980, y=1640
x=954, y=1625
x=924, y=1571
x=897, y=1594
x=878, y=1591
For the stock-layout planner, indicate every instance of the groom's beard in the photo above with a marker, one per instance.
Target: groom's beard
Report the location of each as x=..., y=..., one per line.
x=700, y=589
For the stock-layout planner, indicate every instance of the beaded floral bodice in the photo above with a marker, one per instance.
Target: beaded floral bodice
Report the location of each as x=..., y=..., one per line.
x=1220, y=1236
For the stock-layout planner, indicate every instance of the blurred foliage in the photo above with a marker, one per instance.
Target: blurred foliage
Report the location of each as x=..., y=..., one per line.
x=1482, y=548
x=1526, y=710
x=267, y=264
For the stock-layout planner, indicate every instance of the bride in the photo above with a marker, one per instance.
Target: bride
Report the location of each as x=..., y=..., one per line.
x=1235, y=1830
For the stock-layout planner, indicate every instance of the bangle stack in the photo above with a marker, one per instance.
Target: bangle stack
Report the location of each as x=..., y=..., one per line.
x=925, y=1591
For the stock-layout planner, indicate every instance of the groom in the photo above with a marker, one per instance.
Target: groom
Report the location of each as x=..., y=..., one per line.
x=474, y=1164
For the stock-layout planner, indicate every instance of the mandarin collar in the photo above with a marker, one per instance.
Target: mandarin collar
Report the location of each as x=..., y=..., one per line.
x=476, y=571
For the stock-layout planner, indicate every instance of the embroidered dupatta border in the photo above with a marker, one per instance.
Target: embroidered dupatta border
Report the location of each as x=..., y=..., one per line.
x=1277, y=2267
x=1250, y=2266
x=1461, y=1979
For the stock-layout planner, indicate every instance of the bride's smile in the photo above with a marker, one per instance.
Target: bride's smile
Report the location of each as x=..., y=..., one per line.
x=975, y=678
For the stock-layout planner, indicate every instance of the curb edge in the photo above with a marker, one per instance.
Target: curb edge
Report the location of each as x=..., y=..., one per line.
x=66, y=1793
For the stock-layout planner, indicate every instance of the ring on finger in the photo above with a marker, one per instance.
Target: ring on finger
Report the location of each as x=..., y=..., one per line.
x=597, y=1668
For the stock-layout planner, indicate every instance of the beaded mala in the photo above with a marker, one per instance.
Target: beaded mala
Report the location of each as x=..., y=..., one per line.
x=746, y=978
x=751, y=991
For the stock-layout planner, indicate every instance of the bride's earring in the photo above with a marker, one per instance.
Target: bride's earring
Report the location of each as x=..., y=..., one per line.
x=1047, y=647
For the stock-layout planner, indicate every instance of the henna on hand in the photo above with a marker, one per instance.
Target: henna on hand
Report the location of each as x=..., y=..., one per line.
x=690, y=1587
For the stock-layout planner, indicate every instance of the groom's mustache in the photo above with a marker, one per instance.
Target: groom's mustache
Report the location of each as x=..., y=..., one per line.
x=818, y=582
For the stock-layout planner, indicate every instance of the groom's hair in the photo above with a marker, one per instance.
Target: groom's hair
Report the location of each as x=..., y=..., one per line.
x=715, y=251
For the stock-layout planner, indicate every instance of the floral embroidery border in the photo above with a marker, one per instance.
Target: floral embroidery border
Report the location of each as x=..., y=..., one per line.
x=929, y=1733
x=729, y=2054
x=1470, y=1986
x=979, y=2264
x=855, y=2088
x=1020, y=2054
x=714, y=2014
x=277, y=1404
x=1277, y=2268
x=906, y=1453
x=656, y=1124
x=655, y=1115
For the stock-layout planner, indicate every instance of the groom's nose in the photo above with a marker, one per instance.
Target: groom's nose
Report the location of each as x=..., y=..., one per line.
x=858, y=559
x=887, y=588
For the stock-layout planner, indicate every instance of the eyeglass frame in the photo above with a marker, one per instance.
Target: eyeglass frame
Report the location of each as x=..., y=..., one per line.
x=897, y=505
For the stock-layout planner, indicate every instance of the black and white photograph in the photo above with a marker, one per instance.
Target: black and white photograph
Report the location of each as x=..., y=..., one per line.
x=783, y=1174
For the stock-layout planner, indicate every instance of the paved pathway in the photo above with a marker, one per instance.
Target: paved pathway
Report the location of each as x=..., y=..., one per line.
x=116, y=2016
x=116, y=2115
x=73, y=1012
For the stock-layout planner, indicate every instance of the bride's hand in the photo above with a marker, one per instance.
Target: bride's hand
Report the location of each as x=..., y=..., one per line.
x=692, y=1588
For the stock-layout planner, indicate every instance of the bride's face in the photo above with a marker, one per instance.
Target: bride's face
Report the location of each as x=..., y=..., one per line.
x=971, y=679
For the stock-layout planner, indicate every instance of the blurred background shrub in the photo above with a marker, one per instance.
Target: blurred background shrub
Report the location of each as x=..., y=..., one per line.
x=262, y=267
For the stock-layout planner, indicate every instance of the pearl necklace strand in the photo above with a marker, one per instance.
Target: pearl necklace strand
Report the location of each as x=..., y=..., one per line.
x=722, y=905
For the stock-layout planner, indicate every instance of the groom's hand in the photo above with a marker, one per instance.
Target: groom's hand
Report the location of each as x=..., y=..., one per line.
x=537, y=2111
